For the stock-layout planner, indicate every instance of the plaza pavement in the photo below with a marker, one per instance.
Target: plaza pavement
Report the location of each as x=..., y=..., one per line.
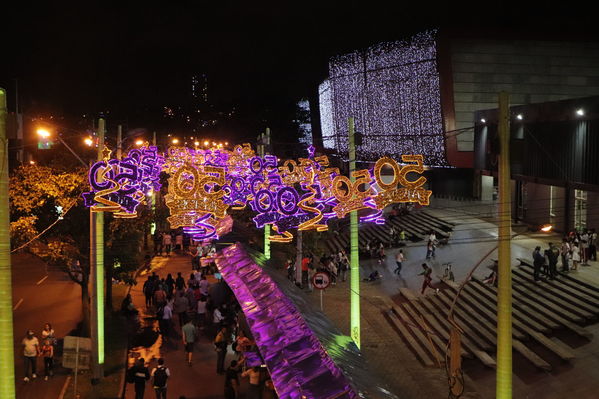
x=390, y=357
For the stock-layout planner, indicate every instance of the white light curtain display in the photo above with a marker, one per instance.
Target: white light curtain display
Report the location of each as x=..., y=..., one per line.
x=392, y=90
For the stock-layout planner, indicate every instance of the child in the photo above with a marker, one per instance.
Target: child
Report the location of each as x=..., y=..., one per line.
x=48, y=355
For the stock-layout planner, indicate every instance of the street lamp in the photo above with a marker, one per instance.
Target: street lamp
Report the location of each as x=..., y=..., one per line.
x=44, y=133
x=139, y=142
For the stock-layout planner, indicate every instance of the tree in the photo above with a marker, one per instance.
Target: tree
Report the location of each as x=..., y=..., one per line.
x=41, y=195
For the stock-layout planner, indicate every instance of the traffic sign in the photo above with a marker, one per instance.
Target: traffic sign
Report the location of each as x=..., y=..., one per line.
x=321, y=280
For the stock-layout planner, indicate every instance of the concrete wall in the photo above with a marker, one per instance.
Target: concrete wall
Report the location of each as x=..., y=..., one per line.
x=531, y=71
x=536, y=203
x=593, y=210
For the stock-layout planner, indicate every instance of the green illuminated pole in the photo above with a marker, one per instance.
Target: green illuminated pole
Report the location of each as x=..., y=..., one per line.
x=7, y=356
x=265, y=140
x=504, y=290
x=354, y=254
x=97, y=277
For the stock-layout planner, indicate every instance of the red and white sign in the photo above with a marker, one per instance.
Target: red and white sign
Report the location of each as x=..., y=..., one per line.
x=321, y=280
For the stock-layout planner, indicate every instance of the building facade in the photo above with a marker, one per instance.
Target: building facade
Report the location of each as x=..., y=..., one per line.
x=554, y=161
x=419, y=95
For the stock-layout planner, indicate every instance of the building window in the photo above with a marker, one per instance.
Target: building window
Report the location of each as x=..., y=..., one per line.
x=580, y=209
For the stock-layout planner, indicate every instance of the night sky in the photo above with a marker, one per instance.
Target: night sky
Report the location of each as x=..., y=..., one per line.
x=260, y=57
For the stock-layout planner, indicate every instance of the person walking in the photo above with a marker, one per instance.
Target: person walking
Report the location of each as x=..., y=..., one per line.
x=160, y=376
x=165, y=315
x=399, y=258
x=167, y=242
x=189, y=333
x=221, y=342
x=201, y=311
x=47, y=353
x=254, y=391
x=575, y=256
x=381, y=253
x=157, y=244
x=48, y=332
x=181, y=306
x=593, y=245
x=426, y=273
x=232, y=381
x=538, y=260
x=180, y=282
x=429, y=249
x=552, y=256
x=148, y=290
x=139, y=374
x=565, y=251
x=31, y=350
x=159, y=295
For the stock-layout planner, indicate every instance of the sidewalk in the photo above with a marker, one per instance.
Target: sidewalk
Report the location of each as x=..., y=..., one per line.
x=195, y=382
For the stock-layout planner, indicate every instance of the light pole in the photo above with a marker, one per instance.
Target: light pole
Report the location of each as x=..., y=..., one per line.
x=96, y=271
x=7, y=356
x=46, y=134
x=354, y=269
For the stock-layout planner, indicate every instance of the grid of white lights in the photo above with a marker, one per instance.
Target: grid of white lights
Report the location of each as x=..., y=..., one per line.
x=392, y=90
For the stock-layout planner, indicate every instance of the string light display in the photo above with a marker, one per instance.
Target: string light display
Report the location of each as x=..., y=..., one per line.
x=392, y=90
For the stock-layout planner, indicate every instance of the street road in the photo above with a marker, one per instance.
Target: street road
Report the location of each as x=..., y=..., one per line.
x=39, y=297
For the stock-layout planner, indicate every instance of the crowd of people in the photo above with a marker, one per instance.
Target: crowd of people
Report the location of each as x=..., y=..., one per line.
x=185, y=308
x=33, y=348
x=576, y=249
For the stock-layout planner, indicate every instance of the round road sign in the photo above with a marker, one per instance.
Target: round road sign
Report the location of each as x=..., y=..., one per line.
x=321, y=280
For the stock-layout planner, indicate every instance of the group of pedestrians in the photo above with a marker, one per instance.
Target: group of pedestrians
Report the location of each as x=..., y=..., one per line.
x=335, y=264
x=33, y=348
x=169, y=241
x=576, y=249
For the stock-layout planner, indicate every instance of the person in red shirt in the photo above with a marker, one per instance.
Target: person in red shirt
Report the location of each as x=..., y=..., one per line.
x=305, y=268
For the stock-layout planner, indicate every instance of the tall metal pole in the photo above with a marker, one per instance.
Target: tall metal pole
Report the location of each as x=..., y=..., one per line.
x=504, y=290
x=7, y=356
x=265, y=141
x=354, y=253
x=97, y=277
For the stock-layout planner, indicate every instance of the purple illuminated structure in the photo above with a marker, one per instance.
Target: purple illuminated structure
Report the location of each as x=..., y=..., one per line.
x=392, y=90
x=297, y=362
x=119, y=186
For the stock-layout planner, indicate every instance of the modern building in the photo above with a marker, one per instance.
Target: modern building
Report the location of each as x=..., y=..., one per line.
x=419, y=95
x=554, y=161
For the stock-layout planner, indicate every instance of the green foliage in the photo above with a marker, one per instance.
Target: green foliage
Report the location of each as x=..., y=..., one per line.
x=33, y=187
x=23, y=230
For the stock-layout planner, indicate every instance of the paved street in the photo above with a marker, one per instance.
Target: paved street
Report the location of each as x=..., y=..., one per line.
x=199, y=381
x=40, y=298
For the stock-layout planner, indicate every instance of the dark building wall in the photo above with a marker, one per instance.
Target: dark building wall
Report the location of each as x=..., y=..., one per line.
x=532, y=71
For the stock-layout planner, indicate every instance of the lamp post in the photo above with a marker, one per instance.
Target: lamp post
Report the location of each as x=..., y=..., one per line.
x=7, y=356
x=504, y=273
x=96, y=263
x=354, y=269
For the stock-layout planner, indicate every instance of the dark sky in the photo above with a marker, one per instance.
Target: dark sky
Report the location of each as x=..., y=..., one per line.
x=257, y=54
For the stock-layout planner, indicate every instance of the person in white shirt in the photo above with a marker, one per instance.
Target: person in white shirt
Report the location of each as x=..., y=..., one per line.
x=399, y=258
